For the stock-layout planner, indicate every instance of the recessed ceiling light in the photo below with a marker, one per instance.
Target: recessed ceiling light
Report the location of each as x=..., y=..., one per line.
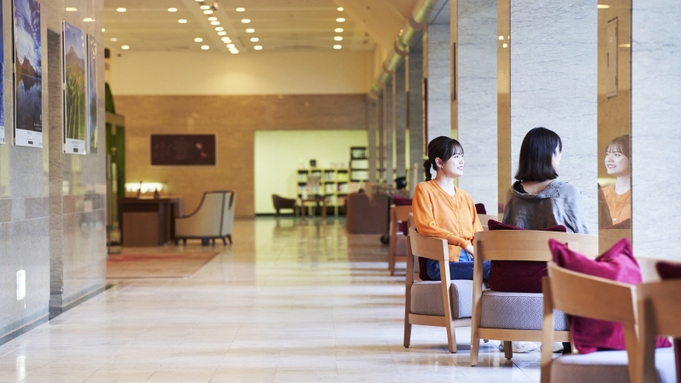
x=125, y=47
x=603, y=6
x=103, y=30
x=337, y=47
x=172, y=9
x=258, y=47
x=121, y=9
x=234, y=52
x=212, y=18
x=207, y=12
x=205, y=7
x=114, y=39
x=182, y=21
x=338, y=38
x=250, y=30
x=241, y=9
x=88, y=19
x=340, y=9
x=504, y=45
x=199, y=1
x=254, y=39
x=230, y=46
x=226, y=39
x=71, y=9
x=338, y=30
x=198, y=39
x=340, y=20
x=245, y=21
x=222, y=33
x=219, y=29
x=215, y=22
x=205, y=47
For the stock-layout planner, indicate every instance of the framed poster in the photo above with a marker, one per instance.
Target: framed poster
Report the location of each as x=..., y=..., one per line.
x=92, y=94
x=28, y=76
x=183, y=149
x=75, y=102
x=2, y=80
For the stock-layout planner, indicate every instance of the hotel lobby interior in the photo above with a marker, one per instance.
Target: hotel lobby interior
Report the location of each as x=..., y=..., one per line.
x=229, y=213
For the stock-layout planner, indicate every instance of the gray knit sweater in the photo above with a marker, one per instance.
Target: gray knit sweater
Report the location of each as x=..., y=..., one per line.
x=560, y=203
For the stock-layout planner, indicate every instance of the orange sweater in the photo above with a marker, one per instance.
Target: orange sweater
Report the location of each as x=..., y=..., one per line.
x=619, y=204
x=437, y=214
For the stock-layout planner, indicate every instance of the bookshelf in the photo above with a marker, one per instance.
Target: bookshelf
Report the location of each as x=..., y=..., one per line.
x=332, y=183
x=359, y=164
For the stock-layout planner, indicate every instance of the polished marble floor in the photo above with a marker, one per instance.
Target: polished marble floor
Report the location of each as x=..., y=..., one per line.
x=287, y=302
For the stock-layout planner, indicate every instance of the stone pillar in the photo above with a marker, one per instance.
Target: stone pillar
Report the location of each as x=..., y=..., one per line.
x=438, y=83
x=380, y=135
x=372, y=130
x=400, y=122
x=389, y=116
x=553, y=71
x=655, y=100
x=477, y=98
x=414, y=64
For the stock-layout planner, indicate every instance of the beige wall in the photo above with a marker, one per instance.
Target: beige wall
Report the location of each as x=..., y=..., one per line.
x=234, y=119
x=206, y=73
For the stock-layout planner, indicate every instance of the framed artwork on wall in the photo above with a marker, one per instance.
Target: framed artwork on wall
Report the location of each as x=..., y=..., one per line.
x=27, y=59
x=75, y=100
x=92, y=94
x=183, y=150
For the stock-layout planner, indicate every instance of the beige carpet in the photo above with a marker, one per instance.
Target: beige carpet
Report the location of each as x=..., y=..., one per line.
x=170, y=265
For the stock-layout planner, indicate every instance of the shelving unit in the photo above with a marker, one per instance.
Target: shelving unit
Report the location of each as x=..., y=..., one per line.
x=333, y=185
x=359, y=164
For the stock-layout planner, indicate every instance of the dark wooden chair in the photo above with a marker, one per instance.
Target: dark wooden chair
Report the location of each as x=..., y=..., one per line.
x=280, y=202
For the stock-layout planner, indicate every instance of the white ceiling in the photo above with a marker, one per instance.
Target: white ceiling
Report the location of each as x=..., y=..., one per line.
x=279, y=24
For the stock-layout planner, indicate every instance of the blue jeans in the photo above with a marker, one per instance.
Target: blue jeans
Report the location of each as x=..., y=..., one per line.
x=463, y=269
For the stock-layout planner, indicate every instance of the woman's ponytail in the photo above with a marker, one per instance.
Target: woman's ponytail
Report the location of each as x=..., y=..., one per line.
x=426, y=167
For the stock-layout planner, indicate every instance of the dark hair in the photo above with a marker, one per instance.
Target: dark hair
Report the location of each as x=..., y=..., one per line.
x=621, y=144
x=536, y=155
x=443, y=148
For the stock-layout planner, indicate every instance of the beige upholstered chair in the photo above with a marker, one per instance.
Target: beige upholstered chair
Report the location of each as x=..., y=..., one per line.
x=398, y=240
x=445, y=303
x=592, y=297
x=659, y=310
x=510, y=316
x=213, y=219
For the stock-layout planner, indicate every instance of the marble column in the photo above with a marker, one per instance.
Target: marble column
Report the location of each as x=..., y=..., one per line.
x=400, y=122
x=655, y=100
x=438, y=83
x=389, y=117
x=553, y=49
x=477, y=98
x=372, y=130
x=414, y=65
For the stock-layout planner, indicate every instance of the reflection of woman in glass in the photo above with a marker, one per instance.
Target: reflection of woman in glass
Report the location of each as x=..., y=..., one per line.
x=617, y=163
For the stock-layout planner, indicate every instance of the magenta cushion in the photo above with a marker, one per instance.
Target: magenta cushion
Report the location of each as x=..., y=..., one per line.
x=517, y=276
x=616, y=264
x=480, y=208
x=401, y=201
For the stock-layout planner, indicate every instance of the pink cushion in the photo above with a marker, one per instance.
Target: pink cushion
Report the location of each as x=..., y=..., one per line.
x=616, y=264
x=480, y=208
x=517, y=276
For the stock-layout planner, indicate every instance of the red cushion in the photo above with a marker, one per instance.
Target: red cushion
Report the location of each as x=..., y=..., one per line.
x=617, y=264
x=480, y=208
x=672, y=271
x=401, y=201
x=517, y=276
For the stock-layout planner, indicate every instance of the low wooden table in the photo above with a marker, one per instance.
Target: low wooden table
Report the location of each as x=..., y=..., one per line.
x=316, y=200
x=148, y=221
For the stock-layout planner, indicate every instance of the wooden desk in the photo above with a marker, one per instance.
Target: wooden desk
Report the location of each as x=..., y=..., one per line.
x=148, y=221
x=316, y=200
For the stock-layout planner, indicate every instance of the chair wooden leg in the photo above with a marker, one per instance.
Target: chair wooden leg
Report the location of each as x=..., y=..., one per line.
x=184, y=241
x=407, y=333
x=475, y=346
x=224, y=241
x=508, y=349
x=229, y=236
x=451, y=337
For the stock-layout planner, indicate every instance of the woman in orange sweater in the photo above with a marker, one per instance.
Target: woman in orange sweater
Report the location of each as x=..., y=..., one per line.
x=445, y=211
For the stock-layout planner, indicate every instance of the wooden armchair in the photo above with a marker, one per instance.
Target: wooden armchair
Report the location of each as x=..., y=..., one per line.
x=510, y=316
x=280, y=203
x=445, y=303
x=397, y=240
